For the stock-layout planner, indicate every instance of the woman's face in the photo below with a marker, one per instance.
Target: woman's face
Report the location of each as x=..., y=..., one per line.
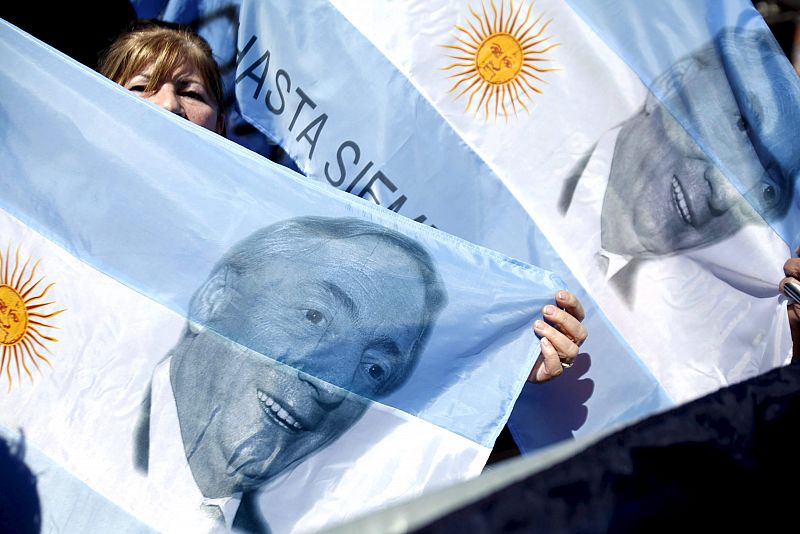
x=183, y=92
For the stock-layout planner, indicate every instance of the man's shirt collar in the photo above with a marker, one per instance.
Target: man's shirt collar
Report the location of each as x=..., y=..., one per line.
x=587, y=203
x=169, y=474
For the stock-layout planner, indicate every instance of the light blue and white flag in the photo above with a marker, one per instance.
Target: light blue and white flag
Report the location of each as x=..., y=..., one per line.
x=365, y=128
x=205, y=339
x=644, y=151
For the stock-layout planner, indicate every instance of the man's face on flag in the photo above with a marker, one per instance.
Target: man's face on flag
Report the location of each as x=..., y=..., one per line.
x=665, y=194
x=318, y=334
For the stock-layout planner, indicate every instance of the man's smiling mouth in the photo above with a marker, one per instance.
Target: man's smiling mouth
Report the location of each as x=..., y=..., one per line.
x=278, y=413
x=679, y=199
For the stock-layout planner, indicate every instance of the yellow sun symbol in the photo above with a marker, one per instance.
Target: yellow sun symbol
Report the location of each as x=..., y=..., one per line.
x=499, y=57
x=21, y=317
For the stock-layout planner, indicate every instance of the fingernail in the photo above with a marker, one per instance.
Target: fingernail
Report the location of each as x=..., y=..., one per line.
x=549, y=310
x=538, y=325
x=561, y=295
x=546, y=342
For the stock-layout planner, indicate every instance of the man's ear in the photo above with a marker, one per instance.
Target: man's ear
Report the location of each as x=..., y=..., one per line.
x=209, y=299
x=650, y=103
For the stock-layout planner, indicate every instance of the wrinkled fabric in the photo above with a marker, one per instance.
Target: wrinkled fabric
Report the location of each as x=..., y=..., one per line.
x=165, y=291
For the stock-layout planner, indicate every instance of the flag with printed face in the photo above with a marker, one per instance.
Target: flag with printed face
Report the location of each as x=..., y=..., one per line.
x=643, y=151
x=195, y=338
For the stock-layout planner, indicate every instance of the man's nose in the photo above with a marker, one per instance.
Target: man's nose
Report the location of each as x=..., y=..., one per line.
x=329, y=371
x=327, y=395
x=723, y=194
x=166, y=97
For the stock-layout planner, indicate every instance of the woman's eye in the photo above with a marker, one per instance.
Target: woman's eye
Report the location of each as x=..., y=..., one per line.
x=314, y=316
x=194, y=94
x=137, y=88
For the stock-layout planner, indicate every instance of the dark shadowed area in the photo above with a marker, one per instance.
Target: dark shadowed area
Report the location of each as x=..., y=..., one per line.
x=19, y=500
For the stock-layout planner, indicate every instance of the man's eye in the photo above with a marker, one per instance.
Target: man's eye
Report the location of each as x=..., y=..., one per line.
x=377, y=368
x=13, y=315
x=314, y=316
x=741, y=124
x=376, y=372
x=768, y=193
x=768, y=190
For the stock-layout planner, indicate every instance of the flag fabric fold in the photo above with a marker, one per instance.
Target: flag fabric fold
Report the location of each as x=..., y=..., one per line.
x=385, y=142
x=644, y=153
x=208, y=340
x=642, y=170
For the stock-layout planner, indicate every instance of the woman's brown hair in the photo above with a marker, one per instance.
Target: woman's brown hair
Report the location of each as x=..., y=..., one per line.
x=165, y=46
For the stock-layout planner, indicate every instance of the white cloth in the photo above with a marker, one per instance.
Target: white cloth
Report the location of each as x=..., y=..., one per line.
x=170, y=481
x=714, y=310
x=587, y=205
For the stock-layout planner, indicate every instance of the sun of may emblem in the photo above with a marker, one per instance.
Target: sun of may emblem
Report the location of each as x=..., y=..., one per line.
x=499, y=58
x=22, y=315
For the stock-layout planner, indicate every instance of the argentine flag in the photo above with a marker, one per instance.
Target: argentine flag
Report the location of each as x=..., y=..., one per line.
x=193, y=338
x=644, y=151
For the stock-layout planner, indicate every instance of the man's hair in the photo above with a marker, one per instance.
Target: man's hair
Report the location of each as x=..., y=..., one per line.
x=743, y=58
x=165, y=46
x=301, y=236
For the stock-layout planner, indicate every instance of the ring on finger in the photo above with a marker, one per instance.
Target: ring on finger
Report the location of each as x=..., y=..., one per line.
x=566, y=365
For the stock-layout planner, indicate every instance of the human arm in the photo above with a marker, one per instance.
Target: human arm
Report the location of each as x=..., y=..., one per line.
x=792, y=271
x=561, y=334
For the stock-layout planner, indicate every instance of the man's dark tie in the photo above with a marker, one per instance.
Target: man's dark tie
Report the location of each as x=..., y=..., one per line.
x=248, y=517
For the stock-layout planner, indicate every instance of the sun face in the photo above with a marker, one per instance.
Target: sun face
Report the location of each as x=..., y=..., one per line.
x=499, y=58
x=22, y=314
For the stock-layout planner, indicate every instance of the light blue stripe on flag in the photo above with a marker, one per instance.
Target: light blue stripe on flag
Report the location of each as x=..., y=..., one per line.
x=45, y=491
x=154, y=201
x=652, y=37
x=386, y=143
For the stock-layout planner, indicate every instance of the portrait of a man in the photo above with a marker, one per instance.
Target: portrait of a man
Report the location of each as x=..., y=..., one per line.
x=708, y=153
x=296, y=328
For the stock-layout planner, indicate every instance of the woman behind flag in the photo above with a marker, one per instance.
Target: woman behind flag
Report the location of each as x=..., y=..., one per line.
x=170, y=66
x=174, y=68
